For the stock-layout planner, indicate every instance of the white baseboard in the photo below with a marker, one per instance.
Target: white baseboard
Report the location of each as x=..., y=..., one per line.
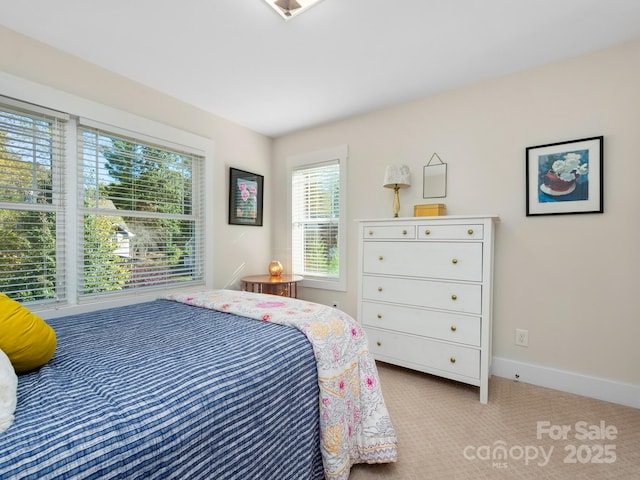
x=593, y=387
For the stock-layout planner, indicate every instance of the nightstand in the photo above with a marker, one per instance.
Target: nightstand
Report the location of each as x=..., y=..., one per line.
x=284, y=285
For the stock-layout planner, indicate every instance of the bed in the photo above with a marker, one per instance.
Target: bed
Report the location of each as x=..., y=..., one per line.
x=213, y=384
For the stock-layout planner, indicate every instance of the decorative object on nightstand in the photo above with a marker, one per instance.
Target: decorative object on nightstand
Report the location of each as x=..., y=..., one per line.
x=283, y=285
x=397, y=177
x=275, y=268
x=424, y=294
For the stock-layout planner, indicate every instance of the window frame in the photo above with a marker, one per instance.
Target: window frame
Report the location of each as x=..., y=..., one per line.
x=58, y=138
x=310, y=160
x=78, y=107
x=196, y=215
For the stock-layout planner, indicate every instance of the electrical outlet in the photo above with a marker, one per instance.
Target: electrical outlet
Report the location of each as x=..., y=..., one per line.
x=522, y=337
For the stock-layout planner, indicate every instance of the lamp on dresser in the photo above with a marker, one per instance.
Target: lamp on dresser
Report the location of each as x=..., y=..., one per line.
x=397, y=177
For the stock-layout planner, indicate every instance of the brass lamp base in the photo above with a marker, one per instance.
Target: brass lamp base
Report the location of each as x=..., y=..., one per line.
x=396, y=201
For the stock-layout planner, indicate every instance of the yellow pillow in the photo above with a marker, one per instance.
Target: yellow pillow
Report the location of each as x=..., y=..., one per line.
x=28, y=341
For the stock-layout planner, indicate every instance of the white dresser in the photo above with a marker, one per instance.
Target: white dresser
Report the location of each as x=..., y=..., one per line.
x=424, y=294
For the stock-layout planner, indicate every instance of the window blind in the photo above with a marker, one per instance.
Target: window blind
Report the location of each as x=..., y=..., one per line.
x=141, y=213
x=32, y=199
x=315, y=214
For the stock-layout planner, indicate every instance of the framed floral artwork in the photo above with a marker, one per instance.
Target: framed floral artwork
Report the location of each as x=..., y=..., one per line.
x=565, y=177
x=245, y=198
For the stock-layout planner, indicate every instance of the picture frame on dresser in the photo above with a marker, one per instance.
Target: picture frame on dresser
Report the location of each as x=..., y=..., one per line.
x=565, y=177
x=246, y=192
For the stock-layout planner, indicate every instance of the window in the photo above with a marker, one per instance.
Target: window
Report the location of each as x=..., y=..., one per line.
x=140, y=212
x=32, y=145
x=318, y=233
x=127, y=215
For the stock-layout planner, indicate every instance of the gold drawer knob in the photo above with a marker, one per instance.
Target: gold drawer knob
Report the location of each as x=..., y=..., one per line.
x=470, y=231
x=453, y=328
x=404, y=232
x=379, y=316
x=379, y=289
x=370, y=232
x=454, y=261
x=427, y=232
x=452, y=359
x=380, y=258
x=454, y=297
x=379, y=343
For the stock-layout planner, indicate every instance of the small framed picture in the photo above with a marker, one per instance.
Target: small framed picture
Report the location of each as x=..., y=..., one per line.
x=245, y=198
x=434, y=178
x=565, y=177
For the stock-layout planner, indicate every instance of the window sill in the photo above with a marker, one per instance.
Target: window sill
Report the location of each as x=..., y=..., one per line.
x=336, y=285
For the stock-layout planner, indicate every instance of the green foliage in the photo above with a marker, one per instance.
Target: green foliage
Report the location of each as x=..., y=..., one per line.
x=104, y=271
x=321, y=252
x=27, y=237
x=27, y=254
x=140, y=179
x=145, y=179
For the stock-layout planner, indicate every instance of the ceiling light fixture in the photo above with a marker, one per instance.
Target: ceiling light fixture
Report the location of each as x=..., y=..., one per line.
x=288, y=9
x=287, y=5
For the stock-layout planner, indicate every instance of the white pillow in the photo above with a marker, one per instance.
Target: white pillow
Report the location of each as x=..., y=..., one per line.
x=8, y=392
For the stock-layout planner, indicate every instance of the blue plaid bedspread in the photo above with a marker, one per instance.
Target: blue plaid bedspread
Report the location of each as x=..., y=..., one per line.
x=163, y=390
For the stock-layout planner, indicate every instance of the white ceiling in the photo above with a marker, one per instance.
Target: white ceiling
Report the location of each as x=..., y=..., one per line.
x=238, y=59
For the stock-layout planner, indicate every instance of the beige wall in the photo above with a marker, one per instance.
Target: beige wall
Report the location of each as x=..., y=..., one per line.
x=570, y=280
x=238, y=250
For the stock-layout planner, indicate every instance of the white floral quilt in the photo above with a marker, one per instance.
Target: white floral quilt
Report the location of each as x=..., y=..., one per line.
x=354, y=422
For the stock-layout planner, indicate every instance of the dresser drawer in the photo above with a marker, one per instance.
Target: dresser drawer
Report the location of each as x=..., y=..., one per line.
x=389, y=232
x=457, y=297
x=429, y=354
x=450, y=232
x=439, y=325
x=452, y=261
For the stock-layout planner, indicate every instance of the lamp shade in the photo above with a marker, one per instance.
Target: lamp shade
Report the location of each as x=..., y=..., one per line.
x=397, y=176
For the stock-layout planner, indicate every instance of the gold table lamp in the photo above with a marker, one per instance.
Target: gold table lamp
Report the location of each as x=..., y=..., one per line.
x=397, y=177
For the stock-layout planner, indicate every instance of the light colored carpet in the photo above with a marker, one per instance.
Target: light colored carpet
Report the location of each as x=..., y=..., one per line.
x=444, y=432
